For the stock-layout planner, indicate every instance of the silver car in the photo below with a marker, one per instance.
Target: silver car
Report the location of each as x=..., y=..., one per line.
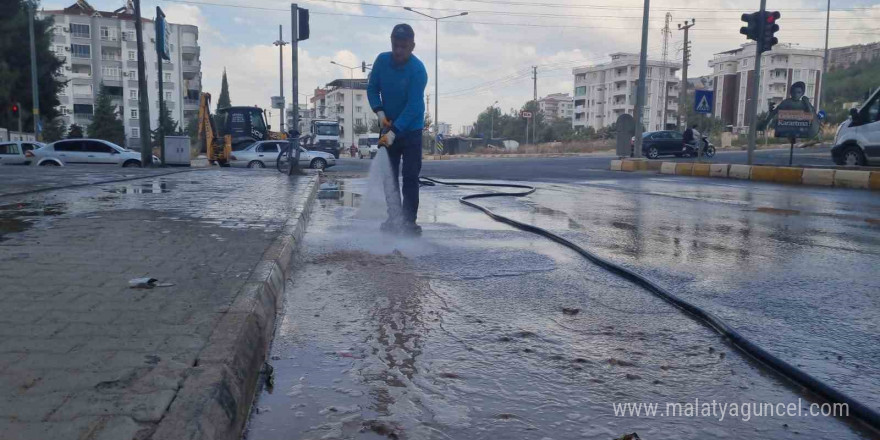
x=86, y=151
x=18, y=152
x=264, y=154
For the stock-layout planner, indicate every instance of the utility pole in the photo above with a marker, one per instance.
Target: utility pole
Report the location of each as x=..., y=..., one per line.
x=281, y=43
x=143, y=95
x=535, y=98
x=752, y=106
x=35, y=87
x=665, y=73
x=685, y=61
x=294, y=89
x=824, y=59
x=643, y=70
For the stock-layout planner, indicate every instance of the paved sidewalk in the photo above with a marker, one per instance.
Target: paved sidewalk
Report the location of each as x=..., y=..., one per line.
x=82, y=355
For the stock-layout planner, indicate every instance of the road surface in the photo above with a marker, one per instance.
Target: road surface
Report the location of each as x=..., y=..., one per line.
x=462, y=333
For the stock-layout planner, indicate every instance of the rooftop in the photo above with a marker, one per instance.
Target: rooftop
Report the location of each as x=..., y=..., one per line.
x=359, y=84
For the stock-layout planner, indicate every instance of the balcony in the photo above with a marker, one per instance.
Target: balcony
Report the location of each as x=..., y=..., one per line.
x=190, y=50
x=80, y=35
x=191, y=66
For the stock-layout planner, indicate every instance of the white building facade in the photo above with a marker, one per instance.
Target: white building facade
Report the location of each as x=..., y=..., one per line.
x=99, y=47
x=604, y=92
x=733, y=73
x=557, y=105
x=346, y=101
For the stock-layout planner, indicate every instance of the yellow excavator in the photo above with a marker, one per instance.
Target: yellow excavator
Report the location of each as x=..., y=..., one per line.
x=230, y=129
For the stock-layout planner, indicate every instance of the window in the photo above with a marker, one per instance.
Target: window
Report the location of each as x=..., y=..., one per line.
x=9, y=149
x=80, y=30
x=57, y=30
x=134, y=113
x=105, y=33
x=359, y=98
x=132, y=55
x=580, y=91
x=359, y=109
x=167, y=96
x=167, y=76
x=81, y=50
x=133, y=93
x=133, y=75
x=110, y=72
x=268, y=148
x=135, y=132
x=83, y=109
x=68, y=146
x=59, y=49
x=97, y=147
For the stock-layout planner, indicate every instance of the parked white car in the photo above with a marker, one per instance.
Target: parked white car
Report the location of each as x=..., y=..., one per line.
x=86, y=151
x=17, y=152
x=264, y=154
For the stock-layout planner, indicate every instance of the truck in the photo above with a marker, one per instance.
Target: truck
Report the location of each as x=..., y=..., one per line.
x=324, y=136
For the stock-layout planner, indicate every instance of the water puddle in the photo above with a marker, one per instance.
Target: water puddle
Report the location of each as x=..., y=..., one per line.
x=155, y=187
x=19, y=217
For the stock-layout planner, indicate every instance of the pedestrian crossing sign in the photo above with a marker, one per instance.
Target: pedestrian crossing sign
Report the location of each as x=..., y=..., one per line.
x=703, y=101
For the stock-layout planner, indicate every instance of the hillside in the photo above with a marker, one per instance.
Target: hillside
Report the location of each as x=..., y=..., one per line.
x=849, y=85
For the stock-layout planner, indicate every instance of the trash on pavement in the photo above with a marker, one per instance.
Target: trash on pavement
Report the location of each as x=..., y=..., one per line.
x=146, y=283
x=571, y=311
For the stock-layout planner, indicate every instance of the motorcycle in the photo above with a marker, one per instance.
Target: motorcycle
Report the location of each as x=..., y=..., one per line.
x=707, y=149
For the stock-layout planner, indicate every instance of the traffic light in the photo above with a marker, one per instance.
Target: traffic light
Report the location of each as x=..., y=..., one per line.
x=768, y=30
x=363, y=66
x=752, y=28
x=15, y=110
x=302, y=24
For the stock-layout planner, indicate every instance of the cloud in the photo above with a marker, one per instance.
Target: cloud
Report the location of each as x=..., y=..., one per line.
x=481, y=62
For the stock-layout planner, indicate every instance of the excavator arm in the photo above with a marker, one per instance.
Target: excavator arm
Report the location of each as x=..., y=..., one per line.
x=209, y=141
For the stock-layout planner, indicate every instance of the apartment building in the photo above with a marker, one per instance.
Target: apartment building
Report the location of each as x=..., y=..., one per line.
x=558, y=105
x=733, y=75
x=99, y=47
x=604, y=92
x=346, y=101
x=843, y=57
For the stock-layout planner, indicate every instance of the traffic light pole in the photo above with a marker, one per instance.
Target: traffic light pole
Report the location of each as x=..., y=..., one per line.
x=752, y=109
x=293, y=157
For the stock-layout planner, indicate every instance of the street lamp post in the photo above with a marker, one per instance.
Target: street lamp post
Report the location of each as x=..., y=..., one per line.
x=436, y=63
x=351, y=85
x=281, y=43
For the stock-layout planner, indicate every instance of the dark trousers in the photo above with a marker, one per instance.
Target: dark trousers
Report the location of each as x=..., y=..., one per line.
x=407, y=146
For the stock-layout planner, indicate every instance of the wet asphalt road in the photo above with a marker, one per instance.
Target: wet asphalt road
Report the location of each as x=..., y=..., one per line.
x=461, y=334
x=571, y=168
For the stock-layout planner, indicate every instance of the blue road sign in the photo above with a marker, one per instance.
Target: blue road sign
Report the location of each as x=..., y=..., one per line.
x=704, y=101
x=163, y=35
x=822, y=114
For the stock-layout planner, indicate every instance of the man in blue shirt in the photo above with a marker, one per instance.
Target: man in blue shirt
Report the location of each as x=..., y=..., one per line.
x=396, y=90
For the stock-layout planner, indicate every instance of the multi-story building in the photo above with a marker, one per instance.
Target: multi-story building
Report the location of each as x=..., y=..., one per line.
x=604, y=92
x=557, y=105
x=733, y=74
x=99, y=48
x=843, y=57
x=346, y=101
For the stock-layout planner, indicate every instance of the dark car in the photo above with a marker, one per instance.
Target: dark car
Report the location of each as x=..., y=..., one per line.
x=665, y=143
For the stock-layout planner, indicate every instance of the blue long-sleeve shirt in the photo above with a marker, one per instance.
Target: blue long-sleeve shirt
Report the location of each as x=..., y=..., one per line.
x=399, y=91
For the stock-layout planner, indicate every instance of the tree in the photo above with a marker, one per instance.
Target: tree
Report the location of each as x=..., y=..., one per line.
x=74, y=132
x=223, y=100
x=54, y=130
x=360, y=128
x=169, y=125
x=15, y=64
x=106, y=124
x=192, y=130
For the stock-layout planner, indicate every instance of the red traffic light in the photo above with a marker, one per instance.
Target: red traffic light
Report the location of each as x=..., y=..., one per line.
x=773, y=16
x=14, y=108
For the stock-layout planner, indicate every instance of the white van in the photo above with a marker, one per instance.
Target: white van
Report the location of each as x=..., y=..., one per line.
x=368, y=145
x=858, y=138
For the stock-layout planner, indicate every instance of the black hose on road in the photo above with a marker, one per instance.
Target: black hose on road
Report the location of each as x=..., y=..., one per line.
x=861, y=412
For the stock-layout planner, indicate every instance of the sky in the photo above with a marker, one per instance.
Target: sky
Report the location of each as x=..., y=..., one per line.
x=485, y=56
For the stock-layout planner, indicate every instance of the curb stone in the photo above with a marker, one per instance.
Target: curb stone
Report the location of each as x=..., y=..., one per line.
x=216, y=396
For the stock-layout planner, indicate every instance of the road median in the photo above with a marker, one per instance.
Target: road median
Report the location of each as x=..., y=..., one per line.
x=790, y=175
